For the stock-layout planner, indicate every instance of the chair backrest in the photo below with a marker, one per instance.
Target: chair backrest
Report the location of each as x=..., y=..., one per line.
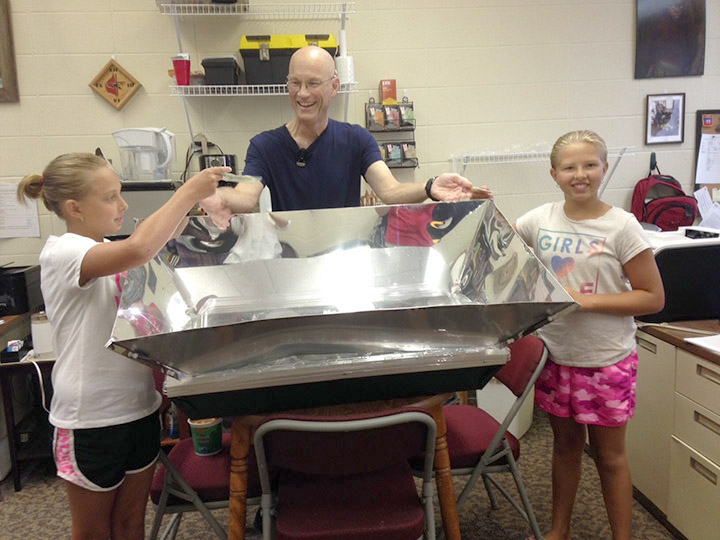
x=527, y=358
x=344, y=444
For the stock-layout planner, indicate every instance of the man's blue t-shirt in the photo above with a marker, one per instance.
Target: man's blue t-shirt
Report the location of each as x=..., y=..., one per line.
x=334, y=163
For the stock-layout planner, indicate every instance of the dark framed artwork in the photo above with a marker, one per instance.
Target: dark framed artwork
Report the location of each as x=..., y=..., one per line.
x=665, y=118
x=670, y=38
x=8, y=73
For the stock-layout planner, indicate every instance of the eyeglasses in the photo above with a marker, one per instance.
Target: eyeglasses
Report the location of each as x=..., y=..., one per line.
x=295, y=85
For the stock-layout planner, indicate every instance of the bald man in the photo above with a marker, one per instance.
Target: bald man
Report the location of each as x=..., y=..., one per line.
x=316, y=162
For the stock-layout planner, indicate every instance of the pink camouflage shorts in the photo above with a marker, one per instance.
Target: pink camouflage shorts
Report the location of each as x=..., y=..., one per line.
x=601, y=396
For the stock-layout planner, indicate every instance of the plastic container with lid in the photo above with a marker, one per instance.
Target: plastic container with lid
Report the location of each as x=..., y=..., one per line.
x=41, y=331
x=221, y=71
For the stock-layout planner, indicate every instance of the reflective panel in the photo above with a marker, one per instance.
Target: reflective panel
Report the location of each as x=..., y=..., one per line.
x=285, y=295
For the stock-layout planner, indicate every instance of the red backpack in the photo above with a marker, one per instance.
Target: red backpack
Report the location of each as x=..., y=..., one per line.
x=659, y=199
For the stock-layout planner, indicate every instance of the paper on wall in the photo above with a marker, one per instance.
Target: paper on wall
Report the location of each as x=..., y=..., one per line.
x=708, y=163
x=709, y=210
x=17, y=220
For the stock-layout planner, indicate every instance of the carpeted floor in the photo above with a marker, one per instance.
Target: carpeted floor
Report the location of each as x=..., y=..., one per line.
x=39, y=510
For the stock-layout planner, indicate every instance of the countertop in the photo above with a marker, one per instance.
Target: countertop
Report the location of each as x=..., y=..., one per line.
x=676, y=337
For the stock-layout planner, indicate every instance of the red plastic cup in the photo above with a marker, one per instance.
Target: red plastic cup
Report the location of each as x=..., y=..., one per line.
x=181, y=65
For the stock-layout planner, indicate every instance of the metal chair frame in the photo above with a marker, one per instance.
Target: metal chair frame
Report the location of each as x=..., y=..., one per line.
x=497, y=450
x=267, y=498
x=175, y=484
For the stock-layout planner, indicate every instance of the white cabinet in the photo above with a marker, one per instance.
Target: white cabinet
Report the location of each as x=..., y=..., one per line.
x=694, y=502
x=649, y=432
x=673, y=442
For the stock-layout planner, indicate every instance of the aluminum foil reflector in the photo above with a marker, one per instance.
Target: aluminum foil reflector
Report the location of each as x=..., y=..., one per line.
x=313, y=295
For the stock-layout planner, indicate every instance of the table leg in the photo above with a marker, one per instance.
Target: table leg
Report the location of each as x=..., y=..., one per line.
x=443, y=479
x=239, y=450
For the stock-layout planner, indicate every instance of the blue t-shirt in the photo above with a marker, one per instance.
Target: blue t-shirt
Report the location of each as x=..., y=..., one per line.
x=330, y=178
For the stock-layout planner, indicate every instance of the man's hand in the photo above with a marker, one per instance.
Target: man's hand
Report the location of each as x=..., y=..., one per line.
x=217, y=210
x=453, y=187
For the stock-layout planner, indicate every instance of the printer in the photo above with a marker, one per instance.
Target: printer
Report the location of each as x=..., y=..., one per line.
x=689, y=264
x=20, y=290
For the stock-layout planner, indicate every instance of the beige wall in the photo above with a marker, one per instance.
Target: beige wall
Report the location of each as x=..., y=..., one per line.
x=485, y=76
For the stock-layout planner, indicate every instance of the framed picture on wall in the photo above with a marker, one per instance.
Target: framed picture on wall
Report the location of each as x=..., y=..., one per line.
x=670, y=38
x=665, y=118
x=8, y=73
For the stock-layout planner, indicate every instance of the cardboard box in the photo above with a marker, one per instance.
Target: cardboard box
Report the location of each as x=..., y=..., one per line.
x=388, y=92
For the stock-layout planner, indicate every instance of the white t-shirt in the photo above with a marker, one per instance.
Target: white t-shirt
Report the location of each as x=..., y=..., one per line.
x=92, y=386
x=587, y=256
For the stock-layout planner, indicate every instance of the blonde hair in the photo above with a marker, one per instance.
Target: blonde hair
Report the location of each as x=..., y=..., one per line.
x=580, y=136
x=66, y=177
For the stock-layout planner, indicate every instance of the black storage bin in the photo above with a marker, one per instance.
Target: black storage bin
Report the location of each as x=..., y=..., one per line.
x=222, y=71
x=20, y=290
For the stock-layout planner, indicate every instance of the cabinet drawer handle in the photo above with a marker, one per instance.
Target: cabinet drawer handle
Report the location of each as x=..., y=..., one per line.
x=708, y=374
x=706, y=422
x=703, y=471
x=647, y=345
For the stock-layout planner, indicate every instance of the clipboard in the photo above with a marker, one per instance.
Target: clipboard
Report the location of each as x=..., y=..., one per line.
x=707, y=124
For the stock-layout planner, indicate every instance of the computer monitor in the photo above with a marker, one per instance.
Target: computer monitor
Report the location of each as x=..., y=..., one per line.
x=691, y=278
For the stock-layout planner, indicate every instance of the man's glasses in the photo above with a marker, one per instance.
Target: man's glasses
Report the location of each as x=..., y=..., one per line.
x=295, y=85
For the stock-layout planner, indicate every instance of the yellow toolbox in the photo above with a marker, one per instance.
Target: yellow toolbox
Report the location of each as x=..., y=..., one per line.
x=267, y=57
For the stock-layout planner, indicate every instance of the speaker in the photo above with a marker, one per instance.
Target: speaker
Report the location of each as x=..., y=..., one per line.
x=218, y=160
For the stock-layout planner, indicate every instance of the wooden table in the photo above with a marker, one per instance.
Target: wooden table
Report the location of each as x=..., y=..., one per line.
x=243, y=428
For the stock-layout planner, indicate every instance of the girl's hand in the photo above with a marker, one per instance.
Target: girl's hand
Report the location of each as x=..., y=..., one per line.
x=203, y=184
x=576, y=296
x=482, y=192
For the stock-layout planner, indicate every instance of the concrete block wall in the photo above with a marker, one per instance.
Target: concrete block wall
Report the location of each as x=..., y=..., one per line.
x=488, y=76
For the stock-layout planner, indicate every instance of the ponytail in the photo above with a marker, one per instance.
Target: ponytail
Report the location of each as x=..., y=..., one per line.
x=30, y=187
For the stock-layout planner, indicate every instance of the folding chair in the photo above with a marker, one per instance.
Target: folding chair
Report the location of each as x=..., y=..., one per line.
x=480, y=446
x=187, y=482
x=347, y=477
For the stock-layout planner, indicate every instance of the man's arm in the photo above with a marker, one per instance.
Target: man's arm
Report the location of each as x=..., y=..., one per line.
x=228, y=201
x=446, y=187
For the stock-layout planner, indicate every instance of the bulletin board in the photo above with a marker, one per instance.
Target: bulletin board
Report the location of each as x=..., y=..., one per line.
x=707, y=152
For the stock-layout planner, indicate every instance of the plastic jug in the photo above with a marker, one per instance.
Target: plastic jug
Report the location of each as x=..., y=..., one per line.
x=146, y=154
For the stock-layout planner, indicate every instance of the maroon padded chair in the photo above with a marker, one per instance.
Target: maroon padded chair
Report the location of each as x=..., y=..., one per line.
x=347, y=477
x=187, y=482
x=480, y=446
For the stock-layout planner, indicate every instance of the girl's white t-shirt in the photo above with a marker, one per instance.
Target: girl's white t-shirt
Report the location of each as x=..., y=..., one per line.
x=92, y=386
x=586, y=256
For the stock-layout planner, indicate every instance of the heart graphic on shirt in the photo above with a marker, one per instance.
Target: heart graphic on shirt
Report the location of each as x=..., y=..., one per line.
x=562, y=267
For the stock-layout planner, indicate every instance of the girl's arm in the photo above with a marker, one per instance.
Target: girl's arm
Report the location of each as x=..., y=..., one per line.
x=153, y=233
x=647, y=294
